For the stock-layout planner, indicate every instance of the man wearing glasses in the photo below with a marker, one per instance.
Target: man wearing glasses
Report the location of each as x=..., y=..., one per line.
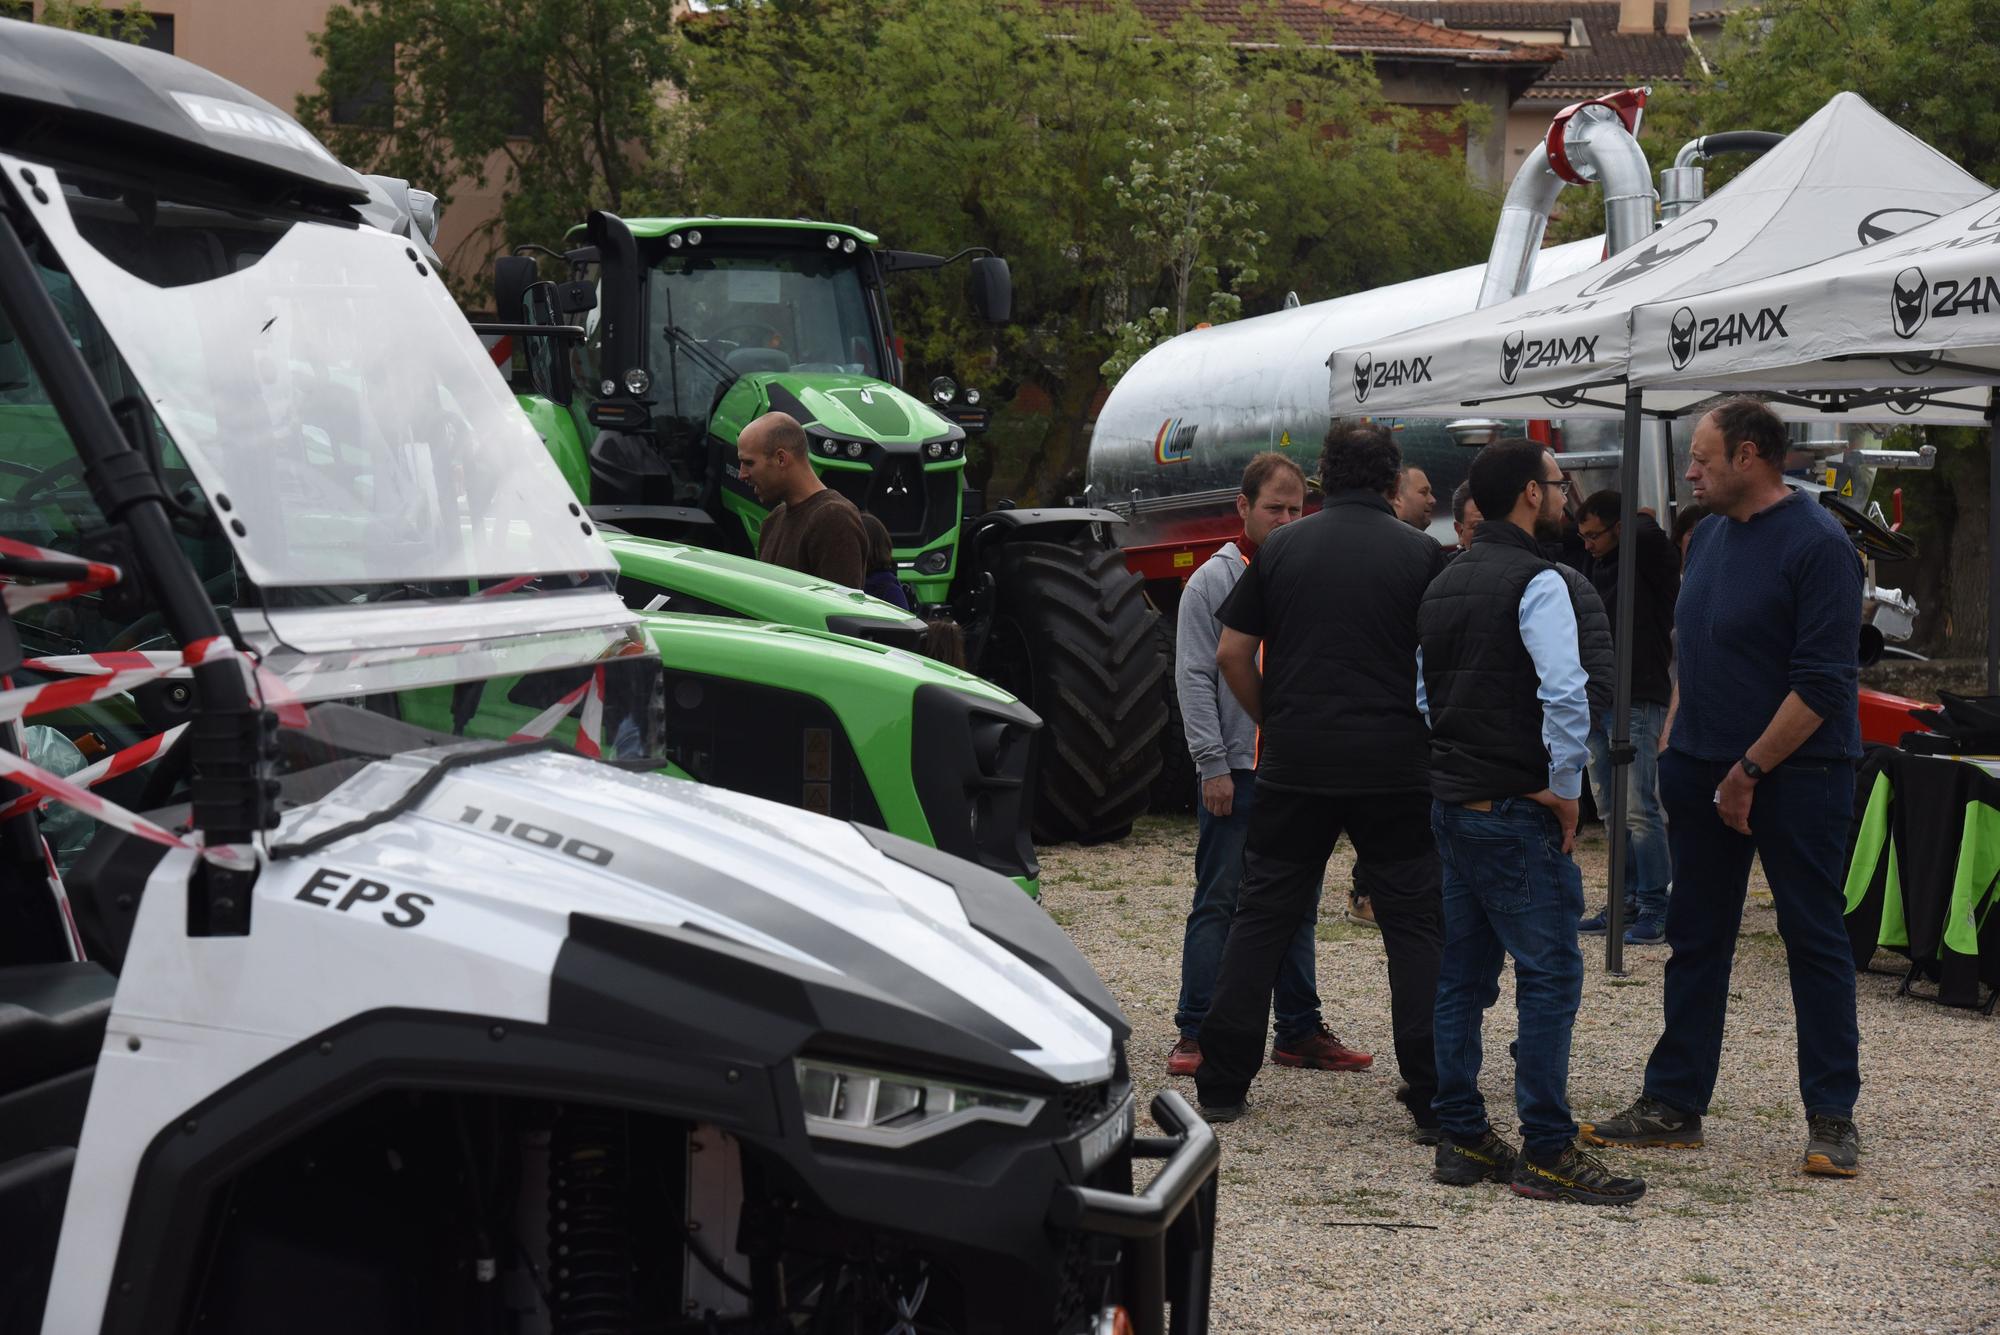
x=1506, y=687
x=1658, y=583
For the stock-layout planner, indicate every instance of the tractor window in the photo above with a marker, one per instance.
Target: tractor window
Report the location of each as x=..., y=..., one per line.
x=761, y=310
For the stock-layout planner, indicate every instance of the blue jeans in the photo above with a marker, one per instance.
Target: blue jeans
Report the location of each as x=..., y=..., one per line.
x=1648, y=865
x=1799, y=817
x=1509, y=890
x=1218, y=875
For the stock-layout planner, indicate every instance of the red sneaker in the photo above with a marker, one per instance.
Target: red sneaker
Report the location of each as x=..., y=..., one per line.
x=1322, y=1052
x=1185, y=1059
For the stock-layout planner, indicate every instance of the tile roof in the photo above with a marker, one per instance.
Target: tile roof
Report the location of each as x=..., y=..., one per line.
x=1344, y=26
x=1613, y=59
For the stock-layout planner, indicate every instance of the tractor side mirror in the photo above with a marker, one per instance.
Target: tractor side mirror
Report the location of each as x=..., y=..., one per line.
x=513, y=275
x=575, y=298
x=548, y=361
x=992, y=289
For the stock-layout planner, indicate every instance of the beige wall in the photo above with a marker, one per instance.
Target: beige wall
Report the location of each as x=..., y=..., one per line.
x=1417, y=86
x=263, y=45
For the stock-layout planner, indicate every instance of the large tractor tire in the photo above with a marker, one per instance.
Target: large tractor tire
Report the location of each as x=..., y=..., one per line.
x=1074, y=637
x=1174, y=786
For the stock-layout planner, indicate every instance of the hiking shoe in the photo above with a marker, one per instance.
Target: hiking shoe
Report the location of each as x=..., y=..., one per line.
x=1647, y=932
x=1491, y=1160
x=1427, y=1131
x=1215, y=1114
x=1648, y=1122
x=1833, y=1147
x=1185, y=1059
x=1362, y=913
x=1576, y=1177
x=1598, y=923
x=1321, y=1051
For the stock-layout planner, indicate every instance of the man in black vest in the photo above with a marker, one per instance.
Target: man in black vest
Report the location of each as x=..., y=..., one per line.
x=1507, y=692
x=1333, y=601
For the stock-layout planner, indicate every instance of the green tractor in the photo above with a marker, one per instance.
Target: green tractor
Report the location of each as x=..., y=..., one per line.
x=693, y=327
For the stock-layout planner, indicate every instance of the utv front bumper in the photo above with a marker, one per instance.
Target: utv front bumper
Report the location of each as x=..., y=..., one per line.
x=1166, y=1232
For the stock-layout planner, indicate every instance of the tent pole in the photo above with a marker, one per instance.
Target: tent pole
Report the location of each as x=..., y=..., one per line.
x=1992, y=545
x=1619, y=725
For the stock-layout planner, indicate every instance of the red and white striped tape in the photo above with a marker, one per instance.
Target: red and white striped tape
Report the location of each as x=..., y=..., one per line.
x=16, y=595
x=151, y=665
x=112, y=766
x=590, y=730
x=58, y=789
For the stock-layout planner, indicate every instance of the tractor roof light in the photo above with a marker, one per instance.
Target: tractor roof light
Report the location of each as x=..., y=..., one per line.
x=694, y=237
x=675, y=241
x=971, y=397
x=847, y=246
x=943, y=390
x=832, y=241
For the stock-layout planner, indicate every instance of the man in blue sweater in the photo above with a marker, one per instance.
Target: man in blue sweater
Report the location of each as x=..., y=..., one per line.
x=1763, y=733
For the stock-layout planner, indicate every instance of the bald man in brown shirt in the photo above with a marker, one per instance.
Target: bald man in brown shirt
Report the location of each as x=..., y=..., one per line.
x=811, y=528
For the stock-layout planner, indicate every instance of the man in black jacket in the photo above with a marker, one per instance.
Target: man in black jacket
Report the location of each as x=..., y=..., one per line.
x=1507, y=692
x=1648, y=866
x=1332, y=600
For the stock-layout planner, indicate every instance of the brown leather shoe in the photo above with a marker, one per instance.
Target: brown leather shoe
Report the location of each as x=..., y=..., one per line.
x=1322, y=1052
x=1185, y=1059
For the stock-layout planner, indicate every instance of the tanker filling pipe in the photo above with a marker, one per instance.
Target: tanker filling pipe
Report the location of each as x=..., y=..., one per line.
x=1681, y=185
x=1588, y=142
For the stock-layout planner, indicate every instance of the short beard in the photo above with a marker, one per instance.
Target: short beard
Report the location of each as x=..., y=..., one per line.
x=1548, y=530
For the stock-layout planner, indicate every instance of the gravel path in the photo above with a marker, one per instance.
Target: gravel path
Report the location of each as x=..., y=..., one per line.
x=1329, y=1219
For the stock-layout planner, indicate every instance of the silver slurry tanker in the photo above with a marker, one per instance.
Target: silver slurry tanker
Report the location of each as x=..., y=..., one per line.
x=1172, y=439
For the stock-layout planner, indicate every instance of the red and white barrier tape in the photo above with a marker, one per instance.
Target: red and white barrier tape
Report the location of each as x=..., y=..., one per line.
x=97, y=575
x=112, y=766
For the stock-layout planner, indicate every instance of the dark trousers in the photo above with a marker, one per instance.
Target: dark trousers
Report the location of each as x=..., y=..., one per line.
x=1798, y=828
x=1284, y=864
x=1509, y=892
x=1218, y=876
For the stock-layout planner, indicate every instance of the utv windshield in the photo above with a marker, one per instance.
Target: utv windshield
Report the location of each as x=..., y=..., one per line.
x=338, y=412
x=749, y=309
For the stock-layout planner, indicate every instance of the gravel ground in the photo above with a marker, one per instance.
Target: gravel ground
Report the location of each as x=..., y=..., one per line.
x=1329, y=1219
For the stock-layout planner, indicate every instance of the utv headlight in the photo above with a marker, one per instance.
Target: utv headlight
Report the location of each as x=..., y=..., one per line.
x=934, y=450
x=854, y=448
x=892, y=1110
x=829, y=447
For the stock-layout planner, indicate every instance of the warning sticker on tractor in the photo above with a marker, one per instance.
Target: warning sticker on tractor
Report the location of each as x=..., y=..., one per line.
x=1182, y=560
x=819, y=755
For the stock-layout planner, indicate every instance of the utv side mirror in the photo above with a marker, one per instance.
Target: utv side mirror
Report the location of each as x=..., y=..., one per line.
x=513, y=275
x=992, y=289
x=573, y=298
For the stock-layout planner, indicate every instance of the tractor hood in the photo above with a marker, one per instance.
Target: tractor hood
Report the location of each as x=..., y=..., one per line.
x=837, y=406
x=881, y=940
x=702, y=579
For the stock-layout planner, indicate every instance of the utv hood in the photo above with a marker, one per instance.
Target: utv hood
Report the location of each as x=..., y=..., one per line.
x=640, y=884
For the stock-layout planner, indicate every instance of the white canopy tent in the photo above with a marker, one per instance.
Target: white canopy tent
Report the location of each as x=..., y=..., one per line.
x=1845, y=179
x=1896, y=328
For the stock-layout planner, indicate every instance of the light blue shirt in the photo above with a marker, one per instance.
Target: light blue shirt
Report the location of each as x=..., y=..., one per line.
x=1548, y=630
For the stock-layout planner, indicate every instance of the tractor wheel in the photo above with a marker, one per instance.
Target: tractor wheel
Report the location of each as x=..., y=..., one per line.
x=1174, y=787
x=1073, y=636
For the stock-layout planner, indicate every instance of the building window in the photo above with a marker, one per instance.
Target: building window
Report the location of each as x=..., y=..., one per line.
x=366, y=95
x=160, y=37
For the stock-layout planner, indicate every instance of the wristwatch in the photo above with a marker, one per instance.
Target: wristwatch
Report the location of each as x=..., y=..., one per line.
x=1751, y=769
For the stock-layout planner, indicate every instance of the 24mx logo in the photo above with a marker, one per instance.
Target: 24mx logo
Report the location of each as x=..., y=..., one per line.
x=1914, y=300
x=1687, y=335
x=1520, y=353
x=1371, y=375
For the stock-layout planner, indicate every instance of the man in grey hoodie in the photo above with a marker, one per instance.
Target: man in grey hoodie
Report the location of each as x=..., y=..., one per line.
x=1223, y=742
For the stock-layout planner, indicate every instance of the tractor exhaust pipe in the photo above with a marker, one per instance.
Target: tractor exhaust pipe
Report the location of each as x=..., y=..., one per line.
x=1587, y=142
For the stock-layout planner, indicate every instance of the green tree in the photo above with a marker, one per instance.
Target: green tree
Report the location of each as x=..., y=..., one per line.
x=941, y=124
x=131, y=23
x=1923, y=64
x=560, y=100
x=1183, y=192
